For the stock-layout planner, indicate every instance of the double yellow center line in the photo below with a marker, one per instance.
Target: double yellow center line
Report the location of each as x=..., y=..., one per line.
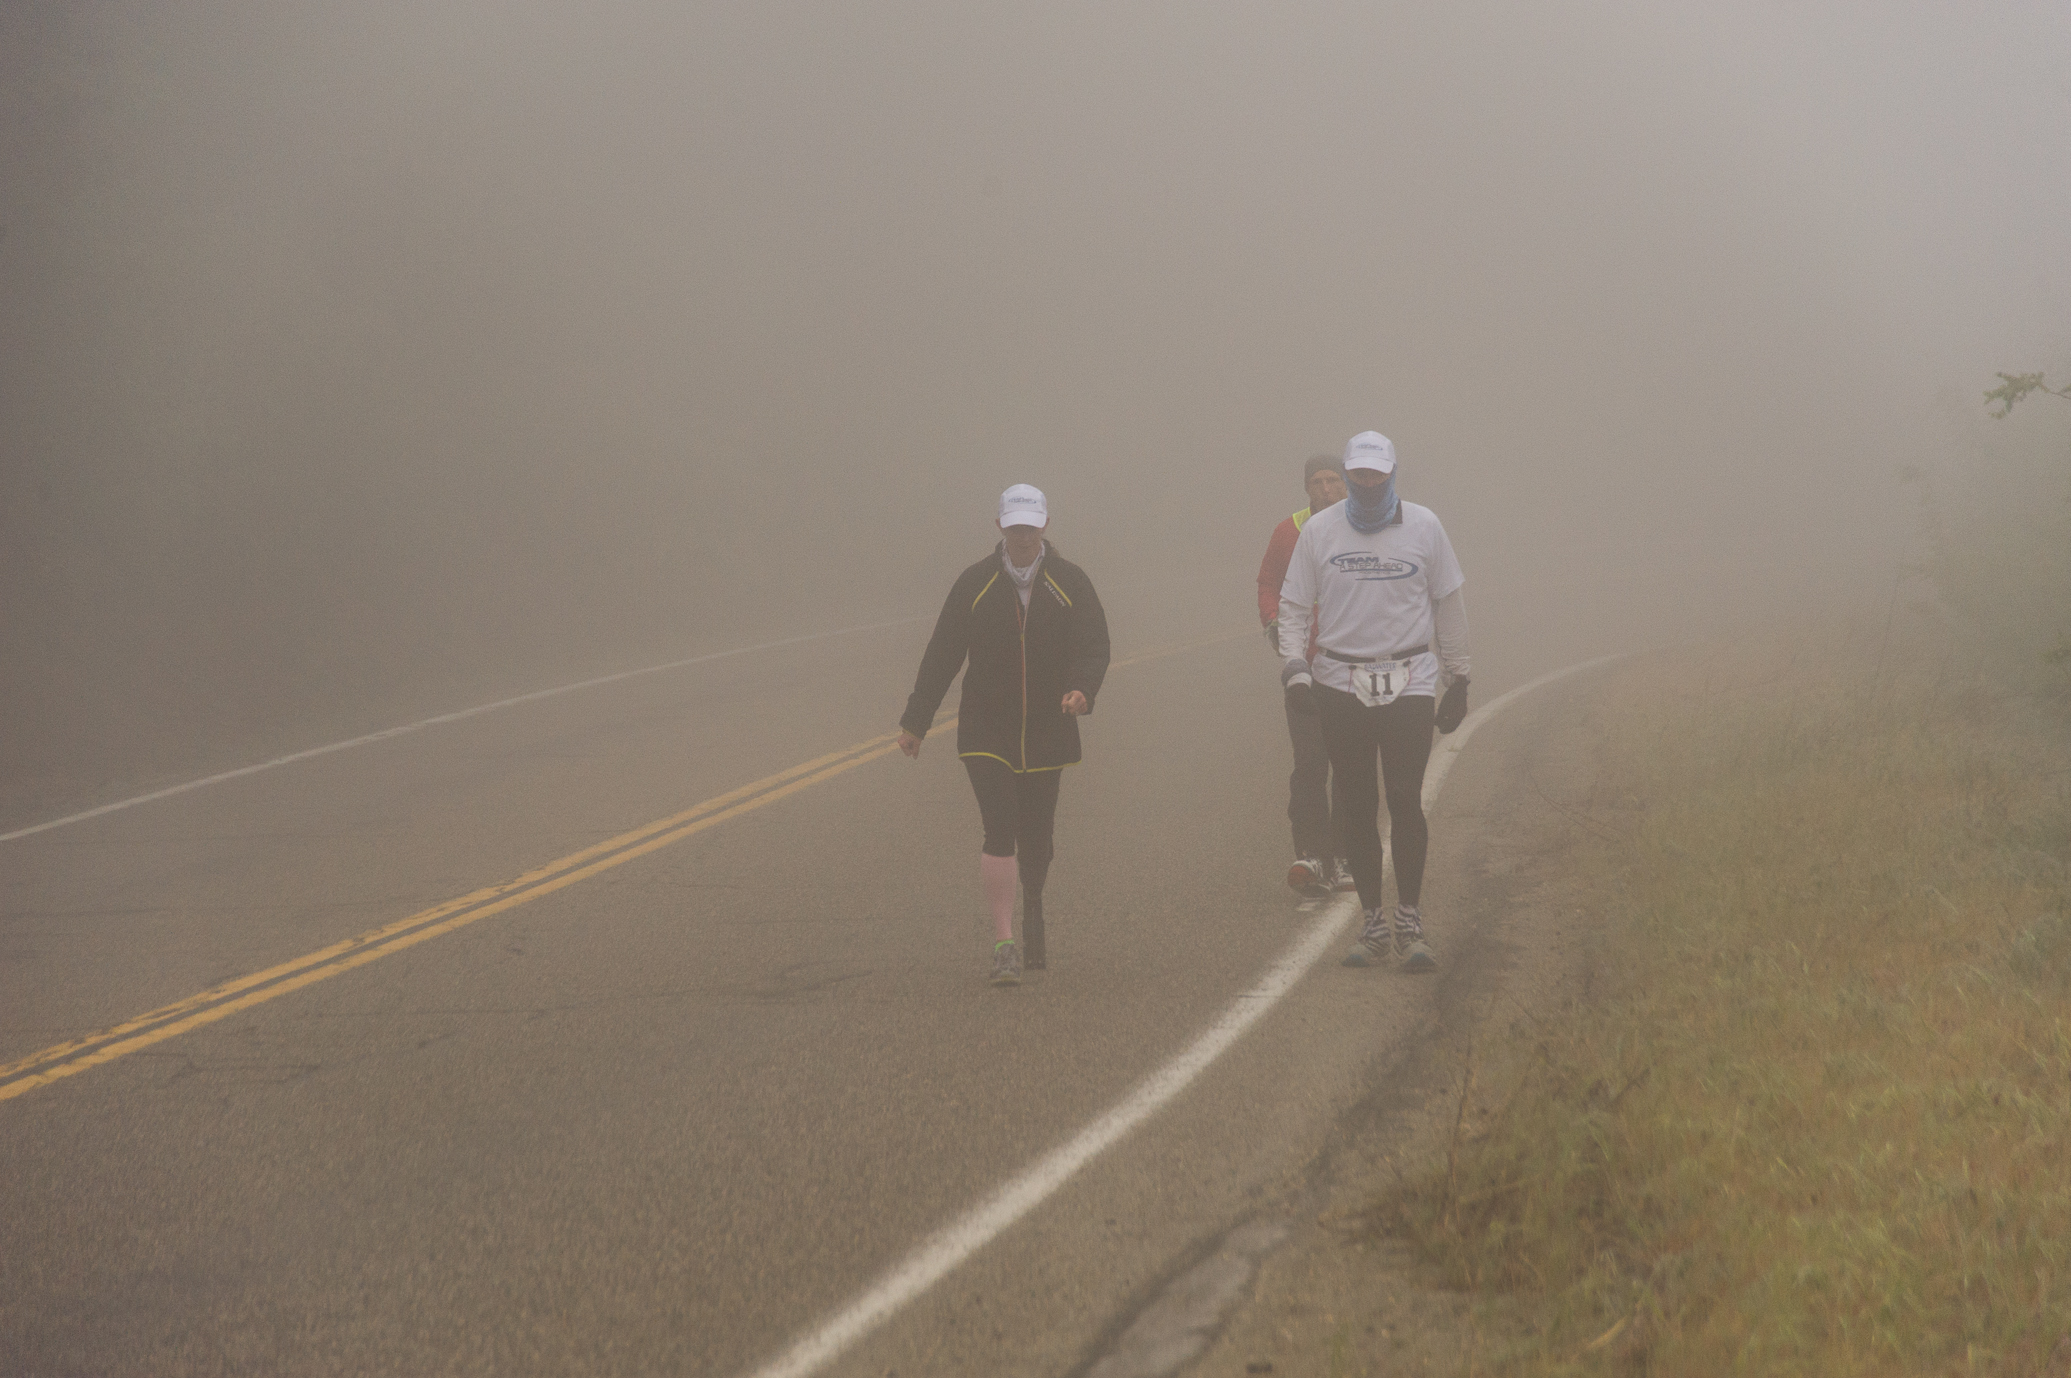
x=231, y=997
x=220, y=1002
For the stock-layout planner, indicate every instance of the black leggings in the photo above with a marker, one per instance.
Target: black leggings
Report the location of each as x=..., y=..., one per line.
x=1019, y=811
x=1401, y=732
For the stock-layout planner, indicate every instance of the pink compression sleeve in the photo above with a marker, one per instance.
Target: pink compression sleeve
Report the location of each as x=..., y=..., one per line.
x=999, y=874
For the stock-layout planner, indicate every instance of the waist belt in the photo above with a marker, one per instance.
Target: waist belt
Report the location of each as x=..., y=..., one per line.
x=1375, y=660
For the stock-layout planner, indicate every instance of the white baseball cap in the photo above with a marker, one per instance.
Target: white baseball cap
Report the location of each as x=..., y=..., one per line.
x=1024, y=505
x=1370, y=450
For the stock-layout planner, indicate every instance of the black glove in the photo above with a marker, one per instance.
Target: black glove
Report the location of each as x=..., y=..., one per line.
x=1453, y=706
x=1273, y=635
x=1301, y=699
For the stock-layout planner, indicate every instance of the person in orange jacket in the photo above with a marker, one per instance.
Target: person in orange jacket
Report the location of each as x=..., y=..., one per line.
x=1319, y=865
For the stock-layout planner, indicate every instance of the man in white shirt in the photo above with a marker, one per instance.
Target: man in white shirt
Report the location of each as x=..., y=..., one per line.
x=1391, y=631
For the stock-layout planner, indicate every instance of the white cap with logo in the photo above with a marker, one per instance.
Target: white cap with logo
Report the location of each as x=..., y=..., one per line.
x=1370, y=450
x=1024, y=505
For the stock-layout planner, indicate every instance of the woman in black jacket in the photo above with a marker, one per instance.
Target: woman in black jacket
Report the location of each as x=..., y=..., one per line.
x=1036, y=638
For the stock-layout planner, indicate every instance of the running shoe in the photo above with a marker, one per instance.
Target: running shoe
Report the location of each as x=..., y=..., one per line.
x=1341, y=877
x=1373, y=941
x=1006, y=963
x=1308, y=876
x=1409, y=940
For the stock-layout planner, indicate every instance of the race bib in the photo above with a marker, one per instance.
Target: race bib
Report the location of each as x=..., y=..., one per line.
x=1380, y=682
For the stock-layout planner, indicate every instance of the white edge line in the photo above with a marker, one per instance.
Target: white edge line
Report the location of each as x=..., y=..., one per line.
x=387, y=732
x=948, y=1247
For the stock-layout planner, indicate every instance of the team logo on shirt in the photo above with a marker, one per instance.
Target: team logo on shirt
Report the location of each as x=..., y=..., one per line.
x=1363, y=565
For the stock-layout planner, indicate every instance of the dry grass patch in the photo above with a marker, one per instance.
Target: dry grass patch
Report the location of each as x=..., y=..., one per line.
x=1816, y=1117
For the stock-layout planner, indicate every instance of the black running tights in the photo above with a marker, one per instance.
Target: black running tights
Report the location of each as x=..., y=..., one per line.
x=1019, y=810
x=1400, y=732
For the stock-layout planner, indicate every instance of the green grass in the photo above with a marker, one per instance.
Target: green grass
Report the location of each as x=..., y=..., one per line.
x=1816, y=1117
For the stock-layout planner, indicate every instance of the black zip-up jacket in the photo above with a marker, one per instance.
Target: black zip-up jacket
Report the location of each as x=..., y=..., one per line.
x=1022, y=664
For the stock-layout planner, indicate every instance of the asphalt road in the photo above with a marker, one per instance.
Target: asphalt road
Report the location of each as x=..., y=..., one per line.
x=668, y=1117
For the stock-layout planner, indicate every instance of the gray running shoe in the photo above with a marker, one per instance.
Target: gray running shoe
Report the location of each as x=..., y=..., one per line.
x=1409, y=940
x=1006, y=963
x=1373, y=941
x=1341, y=876
x=1309, y=876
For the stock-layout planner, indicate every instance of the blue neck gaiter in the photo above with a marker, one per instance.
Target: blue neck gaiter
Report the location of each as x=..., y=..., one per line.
x=1370, y=516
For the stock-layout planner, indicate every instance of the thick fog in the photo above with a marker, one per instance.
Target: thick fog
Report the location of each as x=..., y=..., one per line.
x=363, y=360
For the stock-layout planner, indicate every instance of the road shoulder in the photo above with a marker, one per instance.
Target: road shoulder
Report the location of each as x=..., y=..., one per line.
x=1337, y=1298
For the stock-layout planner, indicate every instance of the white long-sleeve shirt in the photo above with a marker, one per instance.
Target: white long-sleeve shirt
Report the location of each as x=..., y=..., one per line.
x=1375, y=595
